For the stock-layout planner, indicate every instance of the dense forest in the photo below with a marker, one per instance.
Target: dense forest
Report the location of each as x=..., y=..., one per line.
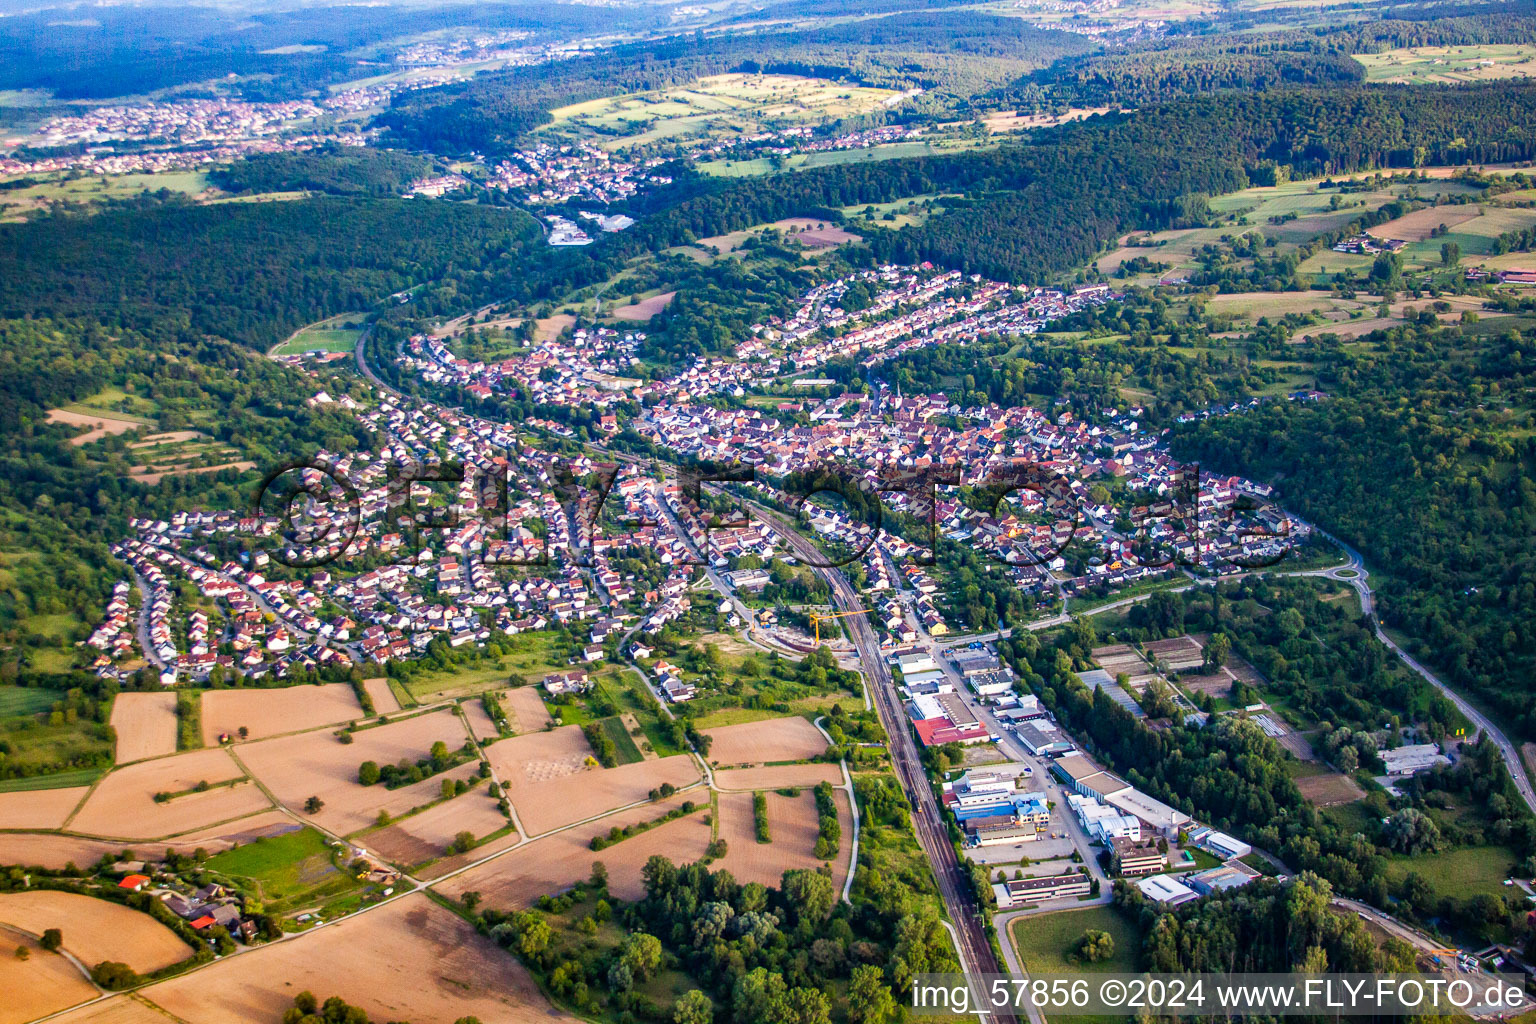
x=1423, y=459
x=255, y=272
x=337, y=170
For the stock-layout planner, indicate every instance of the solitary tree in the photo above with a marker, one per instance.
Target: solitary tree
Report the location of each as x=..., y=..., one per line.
x=52, y=940
x=313, y=805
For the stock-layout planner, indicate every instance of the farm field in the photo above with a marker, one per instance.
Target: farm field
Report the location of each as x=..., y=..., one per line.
x=779, y=777
x=100, y=423
x=43, y=983
x=556, y=862
x=761, y=166
x=433, y=829
x=115, y=1010
x=525, y=708
x=792, y=825
x=644, y=309
x=480, y=724
x=1442, y=65
x=384, y=700
x=409, y=960
x=273, y=712
x=39, y=808
x=95, y=930
x=814, y=234
x=95, y=188
x=54, y=851
x=550, y=784
x=1329, y=789
x=779, y=739
x=297, y=767
x=715, y=106
x=145, y=724
x=123, y=804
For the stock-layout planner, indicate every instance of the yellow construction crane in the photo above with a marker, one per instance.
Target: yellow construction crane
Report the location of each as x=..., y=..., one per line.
x=817, y=618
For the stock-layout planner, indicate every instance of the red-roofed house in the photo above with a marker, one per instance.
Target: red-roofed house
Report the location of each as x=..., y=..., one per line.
x=133, y=882
x=204, y=922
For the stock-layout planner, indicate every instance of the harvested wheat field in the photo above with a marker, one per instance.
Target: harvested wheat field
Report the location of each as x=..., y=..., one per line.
x=792, y=824
x=101, y=424
x=95, y=930
x=410, y=960
x=43, y=983
x=39, y=808
x=384, y=700
x=123, y=804
x=296, y=768
x=1329, y=789
x=114, y=1010
x=644, y=309
x=557, y=862
x=425, y=836
x=777, y=739
x=145, y=724
x=55, y=852
x=526, y=711
x=549, y=782
x=1418, y=225
x=480, y=724
x=779, y=777
x=275, y=712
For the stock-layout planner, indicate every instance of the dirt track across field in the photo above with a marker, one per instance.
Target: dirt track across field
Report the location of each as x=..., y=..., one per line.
x=95, y=930
x=124, y=805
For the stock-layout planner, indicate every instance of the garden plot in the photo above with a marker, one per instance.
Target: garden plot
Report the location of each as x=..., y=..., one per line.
x=1180, y=654
x=95, y=930
x=779, y=776
x=296, y=768
x=123, y=803
x=777, y=739
x=556, y=862
x=145, y=724
x=266, y=713
x=39, y=808
x=1329, y=789
x=792, y=826
x=549, y=780
x=408, y=960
